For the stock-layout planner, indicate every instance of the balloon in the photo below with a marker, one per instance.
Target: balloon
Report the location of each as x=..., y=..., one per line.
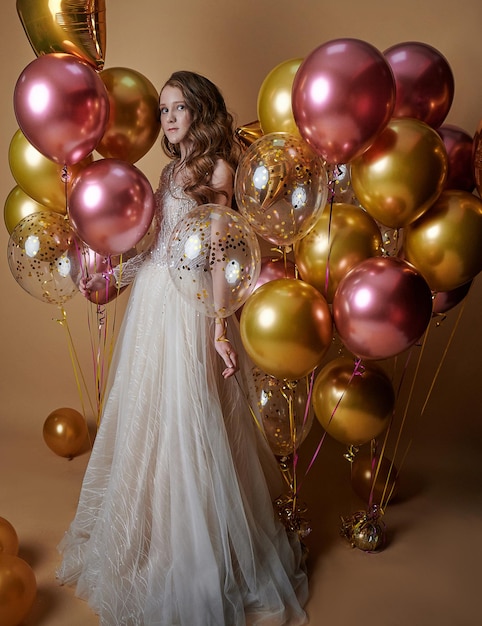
x=274, y=99
x=424, y=82
x=40, y=177
x=343, y=96
x=111, y=206
x=17, y=206
x=374, y=479
x=65, y=432
x=459, y=146
x=286, y=328
x=38, y=257
x=402, y=173
x=8, y=538
x=84, y=261
x=213, y=259
x=249, y=134
x=445, y=244
x=18, y=589
x=281, y=187
x=353, y=405
x=285, y=412
x=134, y=123
x=73, y=26
x=477, y=158
x=340, y=184
x=382, y=307
x=61, y=106
x=444, y=301
x=342, y=237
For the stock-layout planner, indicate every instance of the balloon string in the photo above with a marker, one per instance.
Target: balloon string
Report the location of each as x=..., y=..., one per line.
x=434, y=380
x=78, y=374
x=327, y=269
x=356, y=372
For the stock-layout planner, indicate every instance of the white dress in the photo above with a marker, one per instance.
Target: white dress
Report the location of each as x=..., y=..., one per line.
x=175, y=523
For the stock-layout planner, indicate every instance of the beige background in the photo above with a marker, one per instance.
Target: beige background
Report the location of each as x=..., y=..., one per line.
x=429, y=573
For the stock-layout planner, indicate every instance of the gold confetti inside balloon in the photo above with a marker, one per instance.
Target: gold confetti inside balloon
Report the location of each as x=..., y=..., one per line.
x=281, y=187
x=38, y=257
x=214, y=259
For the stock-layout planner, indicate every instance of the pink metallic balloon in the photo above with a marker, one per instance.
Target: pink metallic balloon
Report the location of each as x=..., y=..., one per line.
x=424, y=82
x=62, y=107
x=111, y=206
x=343, y=96
x=274, y=268
x=459, y=146
x=445, y=300
x=382, y=307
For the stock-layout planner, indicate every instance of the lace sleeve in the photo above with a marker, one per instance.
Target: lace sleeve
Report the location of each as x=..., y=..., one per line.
x=126, y=271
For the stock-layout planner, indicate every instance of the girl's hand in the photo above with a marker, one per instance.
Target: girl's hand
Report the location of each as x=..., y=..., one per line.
x=94, y=282
x=225, y=349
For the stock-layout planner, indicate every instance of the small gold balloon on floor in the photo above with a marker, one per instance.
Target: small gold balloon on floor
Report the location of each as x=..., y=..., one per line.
x=286, y=328
x=65, y=432
x=353, y=404
x=342, y=237
x=18, y=588
x=8, y=538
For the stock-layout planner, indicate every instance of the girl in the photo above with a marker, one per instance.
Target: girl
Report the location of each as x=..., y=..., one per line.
x=175, y=524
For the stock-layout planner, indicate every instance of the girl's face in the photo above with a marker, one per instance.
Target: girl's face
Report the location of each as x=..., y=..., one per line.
x=175, y=116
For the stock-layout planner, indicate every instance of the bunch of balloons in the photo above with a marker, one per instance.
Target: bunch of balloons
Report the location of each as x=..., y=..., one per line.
x=396, y=240
x=69, y=107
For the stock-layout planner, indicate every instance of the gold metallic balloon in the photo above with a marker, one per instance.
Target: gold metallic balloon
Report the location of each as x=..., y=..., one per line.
x=18, y=589
x=342, y=237
x=65, y=432
x=353, y=406
x=76, y=27
x=445, y=244
x=286, y=328
x=134, y=123
x=8, y=538
x=374, y=478
x=249, y=134
x=274, y=99
x=17, y=206
x=402, y=173
x=40, y=178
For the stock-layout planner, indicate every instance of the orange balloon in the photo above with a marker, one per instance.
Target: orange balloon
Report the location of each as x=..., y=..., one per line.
x=402, y=173
x=445, y=244
x=286, y=328
x=8, y=538
x=65, y=432
x=353, y=407
x=18, y=589
x=134, y=123
x=374, y=479
x=274, y=99
x=342, y=237
x=249, y=133
x=73, y=26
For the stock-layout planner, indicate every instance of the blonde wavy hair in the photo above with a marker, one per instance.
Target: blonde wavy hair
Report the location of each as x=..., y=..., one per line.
x=212, y=133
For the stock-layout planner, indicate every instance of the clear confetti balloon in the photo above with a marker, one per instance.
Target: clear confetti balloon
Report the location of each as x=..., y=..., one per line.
x=281, y=187
x=214, y=259
x=38, y=257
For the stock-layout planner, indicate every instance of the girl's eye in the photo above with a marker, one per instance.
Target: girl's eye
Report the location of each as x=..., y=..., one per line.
x=164, y=110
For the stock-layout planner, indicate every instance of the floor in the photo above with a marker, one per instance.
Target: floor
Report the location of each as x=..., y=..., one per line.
x=427, y=574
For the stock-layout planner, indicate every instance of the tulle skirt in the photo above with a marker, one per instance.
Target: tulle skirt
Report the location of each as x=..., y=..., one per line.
x=175, y=524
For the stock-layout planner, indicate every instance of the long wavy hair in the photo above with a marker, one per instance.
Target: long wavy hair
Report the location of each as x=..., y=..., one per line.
x=211, y=133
